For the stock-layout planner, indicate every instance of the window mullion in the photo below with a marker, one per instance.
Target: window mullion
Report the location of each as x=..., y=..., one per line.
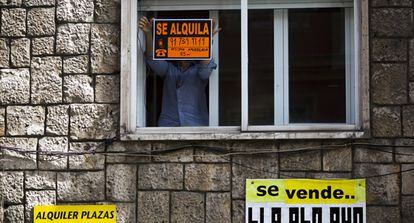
x=285, y=21
x=279, y=66
x=244, y=65
x=214, y=77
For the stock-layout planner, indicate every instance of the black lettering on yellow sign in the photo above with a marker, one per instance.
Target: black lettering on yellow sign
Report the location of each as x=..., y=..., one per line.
x=187, y=39
x=69, y=215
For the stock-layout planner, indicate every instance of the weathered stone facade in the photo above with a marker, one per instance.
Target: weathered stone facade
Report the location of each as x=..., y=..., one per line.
x=60, y=89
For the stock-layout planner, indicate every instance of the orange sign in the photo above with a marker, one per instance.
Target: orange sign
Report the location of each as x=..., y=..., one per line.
x=182, y=39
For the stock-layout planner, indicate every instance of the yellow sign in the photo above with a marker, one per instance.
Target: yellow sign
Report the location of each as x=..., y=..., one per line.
x=75, y=214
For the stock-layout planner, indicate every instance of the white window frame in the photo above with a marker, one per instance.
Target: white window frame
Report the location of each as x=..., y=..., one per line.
x=133, y=85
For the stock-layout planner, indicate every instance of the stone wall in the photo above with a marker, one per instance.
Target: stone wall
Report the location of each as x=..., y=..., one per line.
x=59, y=92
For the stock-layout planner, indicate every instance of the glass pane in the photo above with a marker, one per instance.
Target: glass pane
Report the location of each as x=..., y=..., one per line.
x=261, y=67
x=317, y=66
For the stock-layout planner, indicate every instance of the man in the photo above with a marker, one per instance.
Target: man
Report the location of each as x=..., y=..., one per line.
x=184, y=101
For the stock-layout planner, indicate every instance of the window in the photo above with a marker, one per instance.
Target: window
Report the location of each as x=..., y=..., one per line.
x=282, y=66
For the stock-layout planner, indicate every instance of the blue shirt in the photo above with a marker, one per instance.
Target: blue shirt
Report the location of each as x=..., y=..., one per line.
x=184, y=101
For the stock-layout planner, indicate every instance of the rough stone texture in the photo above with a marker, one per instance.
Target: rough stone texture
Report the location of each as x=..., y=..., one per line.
x=411, y=60
x=383, y=214
x=25, y=120
x=121, y=182
x=10, y=2
x=93, y=121
x=34, y=198
x=128, y=147
x=407, y=179
x=301, y=161
x=2, y=121
x=238, y=211
x=389, y=49
x=372, y=154
x=218, y=206
x=407, y=209
x=41, y=21
x=408, y=120
x=389, y=83
x=183, y=155
x=73, y=38
x=43, y=46
x=411, y=92
x=187, y=207
x=40, y=180
x=77, y=88
x=153, y=203
x=337, y=160
x=404, y=154
x=391, y=22
x=38, y=2
x=75, y=10
x=46, y=80
x=14, y=213
x=20, y=52
x=76, y=64
x=53, y=144
x=202, y=155
x=386, y=121
x=125, y=212
x=380, y=190
x=379, y=3
x=57, y=120
x=107, y=88
x=104, y=48
x=107, y=10
x=81, y=186
x=17, y=161
x=14, y=86
x=5, y=51
x=11, y=186
x=207, y=177
x=13, y=22
x=160, y=176
x=87, y=161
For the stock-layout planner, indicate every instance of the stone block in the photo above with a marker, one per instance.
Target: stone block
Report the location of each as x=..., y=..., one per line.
x=187, y=207
x=323, y=175
x=57, y=120
x=34, y=198
x=204, y=155
x=411, y=92
x=238, y=211
x=78, y=88
x=20, y=52
x=50, y=145
x=374, y=154
x=119, y=147
x=10, y=2
x=389, y=49
x=408, y=120
x=391, y=22
x=151, y=204
x=380, y=3
x=40, y=180
x=107, y=11
x=25, y=120
x=125, y=213
x=407, y=206
x=404, y=154
x=38, y=2
x=13, y=22
x=43, y=46
x=378, y=214
x=386, y=121
x=407, y=179
x=76, y=64
x=14, y=86
x=183, y=155
x=168, y=176
x=87, y=161
x=81, y=186
x=93, y=121
x=218, y=207
x=46, y=80
x=207, y=177
x=411, y=61
x=309, y=160
x=11, y=186
x=14, y=160
x=41, y=21
x=337, y=159
x=380, y=190
x=75, y=10
x=5, y=51
x=2, y=121
x=73, y=38
x=14, y=213
x=104, y=48
x=107, y=88
x=121, y=182
x=389, y=83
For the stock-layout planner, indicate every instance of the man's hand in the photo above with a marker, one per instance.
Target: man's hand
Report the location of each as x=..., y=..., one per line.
x=145, y=25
